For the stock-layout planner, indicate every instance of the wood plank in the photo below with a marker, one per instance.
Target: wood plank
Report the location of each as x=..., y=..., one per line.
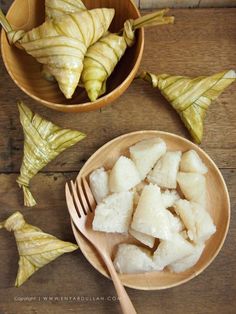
x=154, y=4
x=201, y=42
x=71, y=275
x=217, y=3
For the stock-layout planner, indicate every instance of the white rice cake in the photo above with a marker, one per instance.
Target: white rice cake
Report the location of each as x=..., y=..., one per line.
x=176, y=224
x=124, y=175
x=193, y=186
x=132, y=259
x=191, y=162
x=189, y=261
x=99, y=184
x=142, y=237
x=150, y=216
x=169, y=197
x=165, y=172
x=170, y=251
x=114, y=213
x=197, y=220
x=146, y=153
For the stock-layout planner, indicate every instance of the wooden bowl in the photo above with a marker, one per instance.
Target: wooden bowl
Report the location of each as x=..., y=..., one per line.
x=218, y=205
x=26, y=71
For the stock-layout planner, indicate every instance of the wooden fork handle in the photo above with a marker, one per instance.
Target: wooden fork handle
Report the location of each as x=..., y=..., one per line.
x=125, y=302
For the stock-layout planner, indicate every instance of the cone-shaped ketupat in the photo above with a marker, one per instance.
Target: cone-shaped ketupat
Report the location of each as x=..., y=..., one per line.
x=102, y=57
x=191, y=97
x=61, y=44
x=36, y=248
x=56, y=8
x=43, y=142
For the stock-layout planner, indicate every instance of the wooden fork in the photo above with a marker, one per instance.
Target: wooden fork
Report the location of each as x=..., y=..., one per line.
x=81, y=204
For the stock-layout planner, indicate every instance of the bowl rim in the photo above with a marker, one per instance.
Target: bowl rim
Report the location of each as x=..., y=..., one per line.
x=88, y=106
x=225, y=191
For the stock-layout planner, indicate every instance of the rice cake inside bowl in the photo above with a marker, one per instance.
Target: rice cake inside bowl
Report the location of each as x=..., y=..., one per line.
x=217, y=204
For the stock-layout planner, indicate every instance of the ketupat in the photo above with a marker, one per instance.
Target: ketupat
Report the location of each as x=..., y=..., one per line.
x=43, y=142
x=61, y=44
x=102, y=57
x=56, y=8
x=191, y=97
x=35, y=248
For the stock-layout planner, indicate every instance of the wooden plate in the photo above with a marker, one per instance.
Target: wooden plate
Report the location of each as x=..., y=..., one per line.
x=26, y=71
x=218, y=204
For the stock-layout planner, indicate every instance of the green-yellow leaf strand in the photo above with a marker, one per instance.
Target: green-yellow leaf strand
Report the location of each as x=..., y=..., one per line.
x=61, y=44
x=35, y=247
x=102, y=57
x=43, y=142
x=191, y=97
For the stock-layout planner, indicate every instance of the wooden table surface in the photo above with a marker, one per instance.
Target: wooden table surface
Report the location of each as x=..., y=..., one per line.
x=202, y=42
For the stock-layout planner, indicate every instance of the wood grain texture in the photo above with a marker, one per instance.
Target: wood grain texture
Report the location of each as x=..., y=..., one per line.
x=201, y=42
x=152, y=4
x=148, y=4
x=71, y=275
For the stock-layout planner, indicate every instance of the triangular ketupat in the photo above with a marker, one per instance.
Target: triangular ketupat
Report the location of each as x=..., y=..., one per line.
x=61, y=44
x=191, y=97
x=36, y=248
x=43, y=141
x=56, y=8
x=102, y=57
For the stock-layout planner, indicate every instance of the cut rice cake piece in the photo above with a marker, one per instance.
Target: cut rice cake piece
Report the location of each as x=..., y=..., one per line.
x=176, y=224
x=183, y=208
x=191, y=162
x=146, y=153
x=150, y=216
x=124, y=175
x=169, y=197
x=142, y=237
x=197, y=220
x=193, y=186
x=99, y=184
x=189, y=261
x=205, y=227
x=170, y=251
x=138, y=191
x=165, y=172
x=114, y=213
x=132, y=259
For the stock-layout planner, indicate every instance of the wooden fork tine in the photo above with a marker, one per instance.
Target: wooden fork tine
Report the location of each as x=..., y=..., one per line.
x=82, y=196
x=89, y=194
x=70, y=204
x=82, y=210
